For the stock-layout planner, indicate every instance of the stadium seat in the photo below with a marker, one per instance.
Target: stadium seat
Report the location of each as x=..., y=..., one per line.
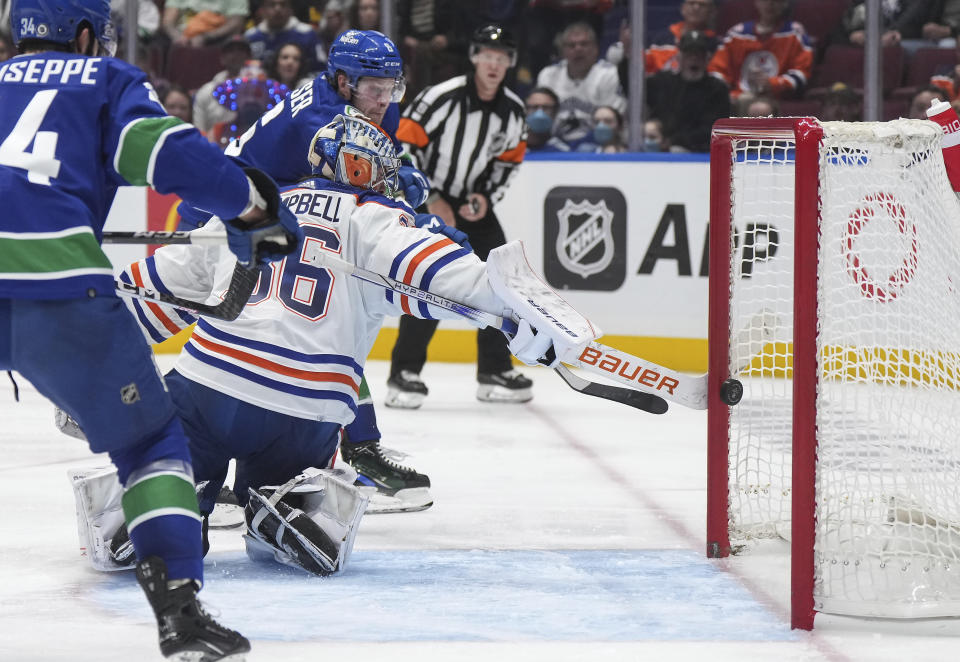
x=925, y=62
x=819, y=17
x=920, y=66
x=192, y=67
x=894, y=108
x=799, y=108
x=731, y=12
x=844, y=64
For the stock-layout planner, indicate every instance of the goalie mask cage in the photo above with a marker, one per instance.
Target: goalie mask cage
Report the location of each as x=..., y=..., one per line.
x=835, y=299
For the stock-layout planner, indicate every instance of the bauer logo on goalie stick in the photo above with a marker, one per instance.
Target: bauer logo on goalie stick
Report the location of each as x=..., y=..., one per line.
x=609, y=361
x=585, y=238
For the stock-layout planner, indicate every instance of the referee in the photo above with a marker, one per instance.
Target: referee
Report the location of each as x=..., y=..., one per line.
x=469, y=135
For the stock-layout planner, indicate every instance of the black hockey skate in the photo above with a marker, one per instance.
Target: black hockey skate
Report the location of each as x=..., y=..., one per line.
x=405, y=390
x=392, y=488
x=507, y=386
x=187, y=632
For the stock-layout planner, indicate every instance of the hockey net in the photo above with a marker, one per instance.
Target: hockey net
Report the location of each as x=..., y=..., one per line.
x=835, y=299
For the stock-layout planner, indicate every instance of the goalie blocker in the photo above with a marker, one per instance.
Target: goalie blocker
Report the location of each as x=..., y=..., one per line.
x=549, y=328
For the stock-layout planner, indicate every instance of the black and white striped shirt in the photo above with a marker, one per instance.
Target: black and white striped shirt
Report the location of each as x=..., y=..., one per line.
x=465, y=145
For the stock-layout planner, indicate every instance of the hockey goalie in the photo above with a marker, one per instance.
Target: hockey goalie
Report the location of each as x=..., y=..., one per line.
x=272, y=388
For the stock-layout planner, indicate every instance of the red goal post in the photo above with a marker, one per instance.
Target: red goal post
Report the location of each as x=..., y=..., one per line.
x=833, y=252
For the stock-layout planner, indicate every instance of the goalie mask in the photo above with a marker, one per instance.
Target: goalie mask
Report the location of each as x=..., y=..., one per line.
x=354, y=151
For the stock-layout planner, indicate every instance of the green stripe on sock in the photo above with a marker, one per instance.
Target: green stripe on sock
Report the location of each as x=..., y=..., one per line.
x=157, y=493
x=75, y=251
x=137, y=144
x=364, y=390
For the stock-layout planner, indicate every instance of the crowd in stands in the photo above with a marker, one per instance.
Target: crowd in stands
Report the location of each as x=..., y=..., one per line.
x=219, y=63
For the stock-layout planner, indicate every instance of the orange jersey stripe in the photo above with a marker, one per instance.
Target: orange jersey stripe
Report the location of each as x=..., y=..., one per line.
x=514, y=155
x=410, y=132
x=266, y=364
x=414, y=263
x=168, y=323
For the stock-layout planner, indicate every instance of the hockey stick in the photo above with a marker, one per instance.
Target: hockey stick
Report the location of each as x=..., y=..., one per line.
x=241, y=286
x=161, y=237
x=634, y=396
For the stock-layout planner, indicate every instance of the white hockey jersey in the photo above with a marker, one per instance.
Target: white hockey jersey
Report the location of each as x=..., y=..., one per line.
x=300, y=344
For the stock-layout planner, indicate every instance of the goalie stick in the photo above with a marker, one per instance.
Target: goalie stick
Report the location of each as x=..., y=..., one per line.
x=634, y=396
x=638, y=375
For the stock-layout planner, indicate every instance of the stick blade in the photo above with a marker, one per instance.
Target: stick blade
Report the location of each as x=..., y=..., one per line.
x=242, y=283
x=648, y=402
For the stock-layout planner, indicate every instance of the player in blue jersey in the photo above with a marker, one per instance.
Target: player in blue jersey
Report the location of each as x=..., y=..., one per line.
x=74, y=125
x=365, y=74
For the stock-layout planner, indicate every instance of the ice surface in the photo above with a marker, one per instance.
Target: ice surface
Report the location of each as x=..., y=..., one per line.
x=565, y=529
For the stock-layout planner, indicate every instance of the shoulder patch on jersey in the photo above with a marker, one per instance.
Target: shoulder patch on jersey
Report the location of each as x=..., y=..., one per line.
x=406, y=220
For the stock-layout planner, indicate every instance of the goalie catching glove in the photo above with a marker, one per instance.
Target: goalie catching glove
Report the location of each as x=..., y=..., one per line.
x=272, y=236
x=549, y=330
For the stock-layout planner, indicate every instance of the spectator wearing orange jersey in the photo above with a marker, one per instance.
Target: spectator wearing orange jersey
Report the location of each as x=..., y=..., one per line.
x=770, y=55
x=662, y=52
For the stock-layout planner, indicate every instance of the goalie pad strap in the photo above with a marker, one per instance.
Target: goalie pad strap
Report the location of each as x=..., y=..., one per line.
x=521, y=289
x=310, y=521
x=277, y=528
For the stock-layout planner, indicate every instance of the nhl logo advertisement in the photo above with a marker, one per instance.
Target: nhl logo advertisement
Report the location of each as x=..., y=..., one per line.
x=584, y=238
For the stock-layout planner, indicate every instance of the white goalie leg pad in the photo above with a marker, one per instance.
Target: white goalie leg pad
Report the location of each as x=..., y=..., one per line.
x=310, y=522
x=99, y=514
x=533, y=301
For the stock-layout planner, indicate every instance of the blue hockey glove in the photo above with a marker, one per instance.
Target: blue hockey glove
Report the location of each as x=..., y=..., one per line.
x=414, y=185
x=436, y=225
x=270, y=239
x=191, y=218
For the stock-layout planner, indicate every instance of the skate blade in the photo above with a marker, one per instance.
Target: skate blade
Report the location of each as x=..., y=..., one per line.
x=411, y=500
x=403, y=400
x=494, y=393
x=195, y=656
x=226, y=516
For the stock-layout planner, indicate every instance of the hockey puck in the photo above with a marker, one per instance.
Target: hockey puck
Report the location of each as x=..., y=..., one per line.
x=731, y=391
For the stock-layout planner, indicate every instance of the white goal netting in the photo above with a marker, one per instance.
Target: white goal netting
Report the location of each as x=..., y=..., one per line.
x=887, y=410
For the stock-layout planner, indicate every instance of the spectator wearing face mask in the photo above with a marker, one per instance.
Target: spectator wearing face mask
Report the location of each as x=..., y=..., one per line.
x=582, y=81
x=653, y=138
x=608, y=130
x=541, y=106
x=688, y=101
